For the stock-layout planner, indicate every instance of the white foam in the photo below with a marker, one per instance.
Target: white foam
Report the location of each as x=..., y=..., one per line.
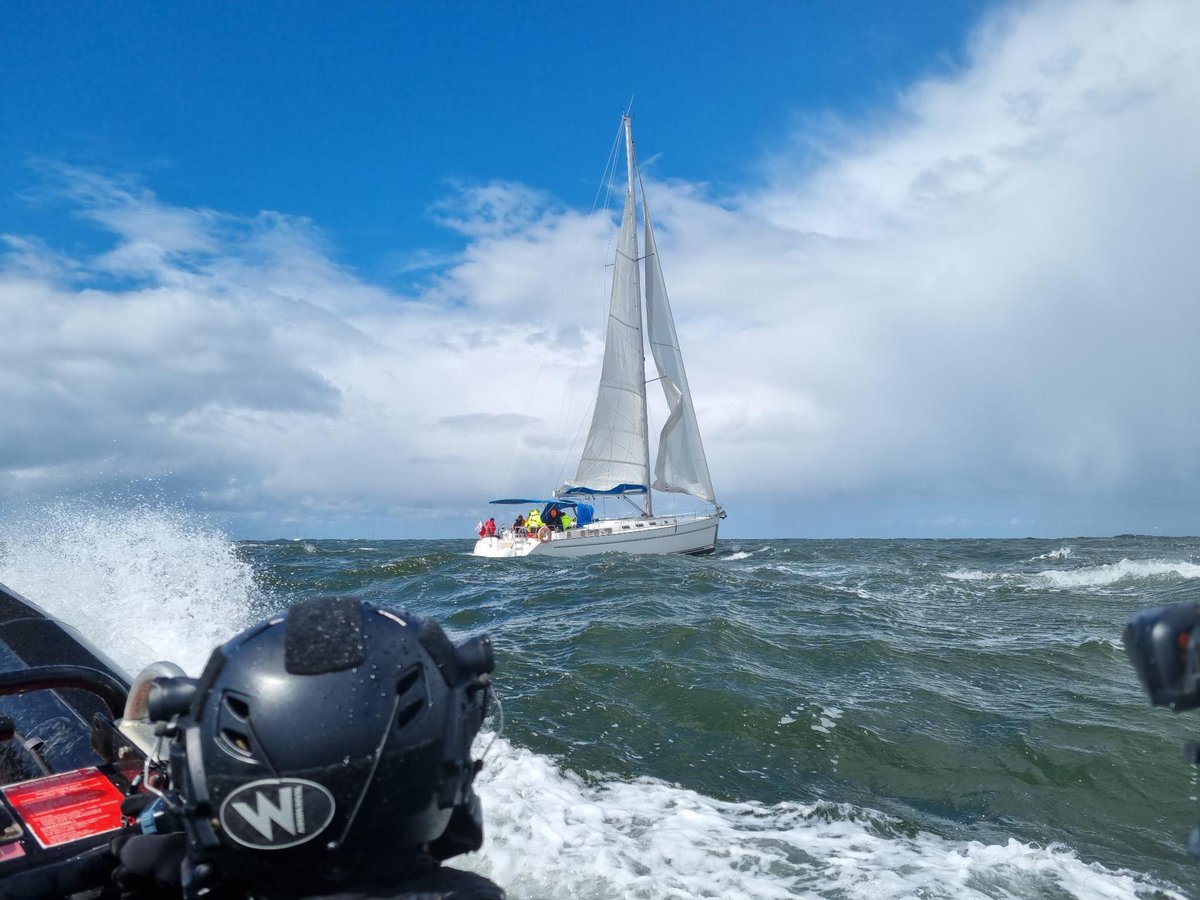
x=826, y=719
x=550, y=834
x=1060, y=553
x=971, y=575
x=1126, y=569
x=1087, y=576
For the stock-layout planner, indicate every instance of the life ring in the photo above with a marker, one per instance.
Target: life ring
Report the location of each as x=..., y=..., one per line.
x=544, y=534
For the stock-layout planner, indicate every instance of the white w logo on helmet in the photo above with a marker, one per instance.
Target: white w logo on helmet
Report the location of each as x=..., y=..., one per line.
x=275, y=813
x=283, y=815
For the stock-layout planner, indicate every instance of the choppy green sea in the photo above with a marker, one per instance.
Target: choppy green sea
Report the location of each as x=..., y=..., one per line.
x=784, y=718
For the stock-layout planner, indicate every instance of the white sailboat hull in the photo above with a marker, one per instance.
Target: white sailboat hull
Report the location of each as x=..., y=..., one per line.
x=657, y=535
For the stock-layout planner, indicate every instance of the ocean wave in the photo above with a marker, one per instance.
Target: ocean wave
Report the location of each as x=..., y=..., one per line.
x=1087, y=576
x=1102, y=645
x=1125, y=570
x=551, y=834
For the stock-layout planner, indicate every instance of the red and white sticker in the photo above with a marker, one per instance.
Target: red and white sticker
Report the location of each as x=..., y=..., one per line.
x=68, y=807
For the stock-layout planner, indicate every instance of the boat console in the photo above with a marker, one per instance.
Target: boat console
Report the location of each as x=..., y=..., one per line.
x=73, y=745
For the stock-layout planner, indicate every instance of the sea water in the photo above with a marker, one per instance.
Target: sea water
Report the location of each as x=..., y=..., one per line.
x=836, y=719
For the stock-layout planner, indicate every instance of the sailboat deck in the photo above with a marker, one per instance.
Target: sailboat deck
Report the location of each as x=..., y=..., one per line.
x=656, y=535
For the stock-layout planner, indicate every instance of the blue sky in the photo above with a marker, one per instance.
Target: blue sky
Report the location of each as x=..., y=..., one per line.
x=931, y=262
x=359, y=120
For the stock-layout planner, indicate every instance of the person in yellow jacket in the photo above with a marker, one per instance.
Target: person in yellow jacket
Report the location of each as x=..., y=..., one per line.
x=567, y=520
x=533, y=521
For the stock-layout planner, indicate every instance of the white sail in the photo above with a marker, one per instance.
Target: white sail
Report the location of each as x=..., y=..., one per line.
x=681, y=466
x=615, y=452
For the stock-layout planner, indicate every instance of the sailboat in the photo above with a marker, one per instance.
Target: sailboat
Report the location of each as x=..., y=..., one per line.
x=616, y=455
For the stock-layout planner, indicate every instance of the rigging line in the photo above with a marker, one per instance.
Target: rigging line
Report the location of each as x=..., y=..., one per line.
x=522, y=429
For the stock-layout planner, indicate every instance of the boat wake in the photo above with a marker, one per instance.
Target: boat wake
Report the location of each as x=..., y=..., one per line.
x=553, y=834
x=737, y=555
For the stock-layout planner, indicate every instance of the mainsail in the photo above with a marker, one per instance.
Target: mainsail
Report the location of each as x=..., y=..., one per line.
x=616, y=450
x=616, y=456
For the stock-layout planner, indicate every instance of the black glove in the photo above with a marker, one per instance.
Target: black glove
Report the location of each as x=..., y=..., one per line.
x=148, y=865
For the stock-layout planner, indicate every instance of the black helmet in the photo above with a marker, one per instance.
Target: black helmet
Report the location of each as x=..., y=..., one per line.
x=336, y=738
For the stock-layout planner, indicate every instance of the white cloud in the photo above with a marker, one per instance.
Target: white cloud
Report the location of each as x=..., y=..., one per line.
x=977, y=314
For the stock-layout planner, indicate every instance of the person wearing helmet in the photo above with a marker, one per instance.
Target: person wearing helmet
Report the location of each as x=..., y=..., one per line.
x=325, y=753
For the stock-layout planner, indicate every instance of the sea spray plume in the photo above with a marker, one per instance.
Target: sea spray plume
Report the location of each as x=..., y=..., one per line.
x=145, y=583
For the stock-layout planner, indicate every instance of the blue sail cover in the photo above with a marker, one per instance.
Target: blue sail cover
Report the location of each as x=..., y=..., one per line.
x=532, y=501
x=611, y=492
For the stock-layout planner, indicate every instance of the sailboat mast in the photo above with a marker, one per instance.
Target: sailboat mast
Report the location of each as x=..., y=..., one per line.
x=629, y=167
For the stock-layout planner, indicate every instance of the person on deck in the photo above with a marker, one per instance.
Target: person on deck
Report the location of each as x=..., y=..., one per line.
x=519, y=524
x=554, y=520
x=534, y=522
x=568, y=522
x=491, y=527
